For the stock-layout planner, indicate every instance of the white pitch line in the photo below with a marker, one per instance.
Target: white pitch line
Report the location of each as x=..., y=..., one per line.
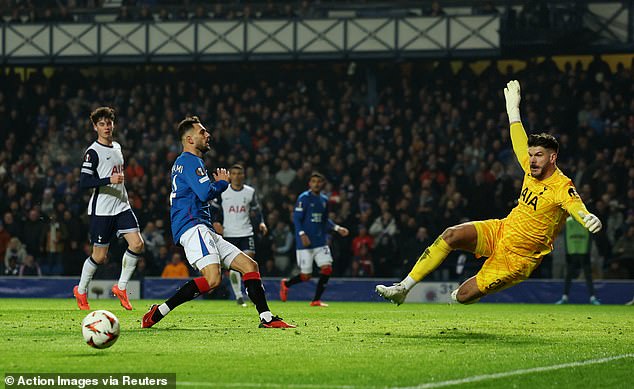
x=484, y=377
x=439, y=384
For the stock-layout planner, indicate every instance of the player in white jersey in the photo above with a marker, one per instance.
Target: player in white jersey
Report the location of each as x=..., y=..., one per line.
x=235, y=206
x=109, y=208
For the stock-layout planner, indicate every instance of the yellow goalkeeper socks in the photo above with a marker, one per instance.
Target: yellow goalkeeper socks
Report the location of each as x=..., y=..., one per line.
x=433, y=256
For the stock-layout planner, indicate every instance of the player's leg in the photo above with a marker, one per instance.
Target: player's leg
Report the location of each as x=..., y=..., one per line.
x=571, y=269
x=247, y=245
x=91, y=264
x=236, y=285
x=237, y=260
x=584, y=260
x=202, y=254
x=305, y=263
x=460, y=237
x=210, y=280
x=128, y=226
x=323, y=259
x=500, y=271
x=468, y=292
x=101, y=231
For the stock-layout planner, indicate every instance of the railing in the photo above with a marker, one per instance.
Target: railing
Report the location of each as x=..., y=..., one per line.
x=238, y=40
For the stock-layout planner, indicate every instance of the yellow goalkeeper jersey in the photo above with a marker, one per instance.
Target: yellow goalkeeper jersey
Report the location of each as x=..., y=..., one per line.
x=543, y=206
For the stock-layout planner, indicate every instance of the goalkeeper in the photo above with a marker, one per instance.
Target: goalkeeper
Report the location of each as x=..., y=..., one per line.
x=514, y=246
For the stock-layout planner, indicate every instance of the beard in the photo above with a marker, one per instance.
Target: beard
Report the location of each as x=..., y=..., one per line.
x=204, y=148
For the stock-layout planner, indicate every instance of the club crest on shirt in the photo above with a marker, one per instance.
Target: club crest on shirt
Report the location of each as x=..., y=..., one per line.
x=200, y=171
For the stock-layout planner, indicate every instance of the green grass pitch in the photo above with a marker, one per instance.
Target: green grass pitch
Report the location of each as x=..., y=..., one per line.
x=216, y=344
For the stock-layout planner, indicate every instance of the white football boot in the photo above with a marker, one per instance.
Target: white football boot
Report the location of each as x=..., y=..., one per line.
x=395, y=293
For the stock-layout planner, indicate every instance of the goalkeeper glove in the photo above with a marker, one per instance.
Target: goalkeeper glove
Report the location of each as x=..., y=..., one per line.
x=591, y=222
x=512, y=96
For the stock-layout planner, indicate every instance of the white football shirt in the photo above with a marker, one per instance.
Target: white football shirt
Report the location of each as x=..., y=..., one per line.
x=101, y=161
x=236, y=208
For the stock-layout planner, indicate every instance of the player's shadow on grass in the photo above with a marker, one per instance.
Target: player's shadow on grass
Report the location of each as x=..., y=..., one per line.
x=461, y=336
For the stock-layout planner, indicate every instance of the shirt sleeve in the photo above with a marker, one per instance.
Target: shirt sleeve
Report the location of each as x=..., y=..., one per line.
x=89, y=178
x=198, y=180
x=255, y=207
x=520, y=144
x=299, y=214
x=330, y=224
x=571, y=202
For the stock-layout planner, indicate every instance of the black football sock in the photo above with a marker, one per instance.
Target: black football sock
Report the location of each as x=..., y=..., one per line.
x=321, y=286
x=295, y=280
x=189, y=291
x=255, y=291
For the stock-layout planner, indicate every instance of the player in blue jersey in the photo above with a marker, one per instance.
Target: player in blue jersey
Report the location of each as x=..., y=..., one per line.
x=192, y=228
x=311, y=233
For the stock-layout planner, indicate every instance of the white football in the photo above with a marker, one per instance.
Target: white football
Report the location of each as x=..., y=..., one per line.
x=100, y=329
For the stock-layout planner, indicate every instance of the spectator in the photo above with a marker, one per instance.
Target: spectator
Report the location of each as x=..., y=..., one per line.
x=153, y=240
x=29, y=267
x=34, y=235
x=176, y=268
x=622, y=263
x=434, y=10
x=286, y=174
x=56, y=234
x=282, y=246
x=14, y=255
x=4, y=240
x=362, y=240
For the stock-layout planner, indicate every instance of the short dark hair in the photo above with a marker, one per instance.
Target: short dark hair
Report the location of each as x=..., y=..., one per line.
x=186, y=125
x=318, y=175
x=236, y=166
x=544, y=140
x=102, y=113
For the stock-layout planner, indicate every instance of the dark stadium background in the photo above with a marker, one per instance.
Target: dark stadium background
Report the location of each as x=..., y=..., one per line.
x=411, y=142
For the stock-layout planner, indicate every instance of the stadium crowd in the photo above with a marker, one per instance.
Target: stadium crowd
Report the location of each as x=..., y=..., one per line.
x=427, y=149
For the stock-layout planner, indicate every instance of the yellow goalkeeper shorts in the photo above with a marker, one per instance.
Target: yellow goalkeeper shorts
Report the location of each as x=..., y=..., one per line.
x=503, y=268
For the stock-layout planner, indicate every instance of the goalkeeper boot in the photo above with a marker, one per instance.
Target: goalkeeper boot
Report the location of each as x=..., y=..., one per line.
x=395, y=293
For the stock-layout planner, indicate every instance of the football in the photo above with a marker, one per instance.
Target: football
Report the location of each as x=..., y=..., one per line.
x=100, y=329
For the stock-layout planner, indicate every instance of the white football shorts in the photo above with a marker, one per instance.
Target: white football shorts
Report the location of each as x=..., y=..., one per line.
x=204, y=247
x=305, y=257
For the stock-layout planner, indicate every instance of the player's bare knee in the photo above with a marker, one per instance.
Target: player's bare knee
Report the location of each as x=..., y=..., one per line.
x=99, y=258
x=213, y=282
x=251, y=266
x=137, y=247
x=304, y=276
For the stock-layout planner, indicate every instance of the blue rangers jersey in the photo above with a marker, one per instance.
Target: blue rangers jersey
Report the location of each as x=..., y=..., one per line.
x=191, y=192
x=311, y=216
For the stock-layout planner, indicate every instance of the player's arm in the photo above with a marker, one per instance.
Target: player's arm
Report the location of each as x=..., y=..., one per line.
x=571, y=202
x=518, y=134
x=343, y=231
x=89, y=178
x=201, y=184
x=254, y=206
x=299, y=216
